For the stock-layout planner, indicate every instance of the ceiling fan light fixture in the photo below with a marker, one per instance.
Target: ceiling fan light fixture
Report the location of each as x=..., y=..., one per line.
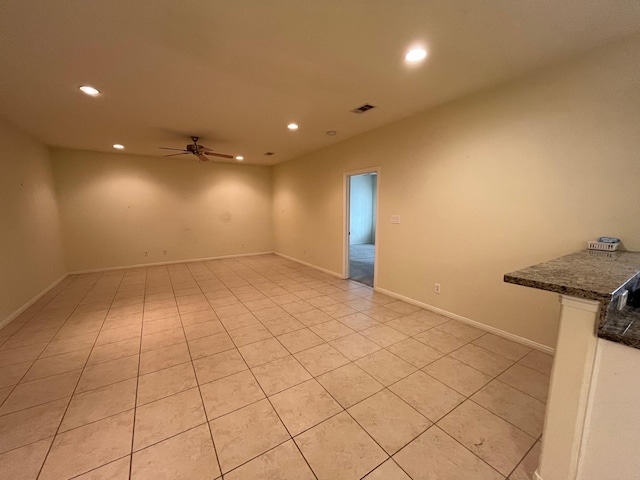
x=89, y=90
x=292, y=126
x=118, y=146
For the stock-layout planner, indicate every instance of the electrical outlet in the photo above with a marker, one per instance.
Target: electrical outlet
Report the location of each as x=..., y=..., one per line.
x=436, y=288
x=146, y=253
x=164, y=252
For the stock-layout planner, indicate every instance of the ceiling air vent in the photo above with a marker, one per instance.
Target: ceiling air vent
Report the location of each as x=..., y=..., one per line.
x=269, y=153
x=363, y=108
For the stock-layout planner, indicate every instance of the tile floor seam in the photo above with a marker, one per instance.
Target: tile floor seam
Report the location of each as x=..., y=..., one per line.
x=463, y=446
x=345, y=410
x=396, y=395
x=166, y=396
x=470, y=366
x=522, y=459
x=496, y=379
x=37, y=404
x=500, y=417
x=522, y=391
x=48, y=376
x=100, y=466
x=135, y=399
x=258, y=456
x=443, y=415
x=27, y=444
x=400, y=466
x=35, y=360
x=77, y=382
x=170, y=366
x=496, y=353
x=163, y=440
x=36, y=313
x=338, y=413
x=242, y=280
x=204, y=407
x=485, y=461
x=431, y=424
x=275, y=411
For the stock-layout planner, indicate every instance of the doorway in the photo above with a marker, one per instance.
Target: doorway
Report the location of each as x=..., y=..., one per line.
x=362, y=197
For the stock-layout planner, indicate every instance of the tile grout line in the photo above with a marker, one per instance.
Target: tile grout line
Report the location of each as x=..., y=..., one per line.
x=53, y=293
x=382, y=348
x=522, y=459
x=266, y=397
x=135, y=400
x=195, y=375
x=178, y=343
x=42, y=351
x=241, y=283
x=387, y=388
x=535, y=437
x=272, y=407
x=465, y=396
x=343, y=410
x=44, y=461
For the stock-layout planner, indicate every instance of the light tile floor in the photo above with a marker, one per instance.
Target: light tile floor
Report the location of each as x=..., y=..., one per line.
x=259, y=368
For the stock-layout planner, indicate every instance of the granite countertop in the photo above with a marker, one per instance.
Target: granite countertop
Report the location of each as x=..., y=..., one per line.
x=622, y=327
x=592, y=275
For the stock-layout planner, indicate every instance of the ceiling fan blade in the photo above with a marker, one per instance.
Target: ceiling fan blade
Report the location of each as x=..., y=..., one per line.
x=174, y=154
x=214, y=154
x=206, y=148
x=202, y=158
x=178, y=149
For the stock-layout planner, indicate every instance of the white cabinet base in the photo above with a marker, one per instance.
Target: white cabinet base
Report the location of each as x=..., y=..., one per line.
x=569, y=390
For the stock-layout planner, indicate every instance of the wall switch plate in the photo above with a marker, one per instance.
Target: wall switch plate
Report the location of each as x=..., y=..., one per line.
x=395, y=218
x=436, y=288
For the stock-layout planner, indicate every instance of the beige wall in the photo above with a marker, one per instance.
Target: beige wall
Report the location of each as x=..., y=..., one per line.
x=31, y=256
x=116, y=206
x=485, y=185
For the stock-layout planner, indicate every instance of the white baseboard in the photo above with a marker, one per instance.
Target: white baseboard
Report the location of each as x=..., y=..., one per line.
x=473, y=323
x=445, y=313
x=455, y=316
x=306, y=264
x=17, y=313
x=170, y=262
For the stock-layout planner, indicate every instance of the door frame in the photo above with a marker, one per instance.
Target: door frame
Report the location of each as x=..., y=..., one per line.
x=346, y=202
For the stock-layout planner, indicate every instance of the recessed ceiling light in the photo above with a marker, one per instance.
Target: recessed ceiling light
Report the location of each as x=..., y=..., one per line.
x=239, y=158
x=292, y=126
x=117, y=146
x=415, y=55
x=89, y=90
x=331, y=133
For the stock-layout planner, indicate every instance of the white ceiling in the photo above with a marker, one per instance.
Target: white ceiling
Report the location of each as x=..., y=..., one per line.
x=235, y=72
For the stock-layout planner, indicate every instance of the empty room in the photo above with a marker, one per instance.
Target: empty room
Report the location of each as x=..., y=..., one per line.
x=297, y=240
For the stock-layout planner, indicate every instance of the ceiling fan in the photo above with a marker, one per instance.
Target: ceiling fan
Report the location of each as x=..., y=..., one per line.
x=199, y=151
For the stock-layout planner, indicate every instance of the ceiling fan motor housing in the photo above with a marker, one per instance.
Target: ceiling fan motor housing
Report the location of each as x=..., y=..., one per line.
x=192, y=148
